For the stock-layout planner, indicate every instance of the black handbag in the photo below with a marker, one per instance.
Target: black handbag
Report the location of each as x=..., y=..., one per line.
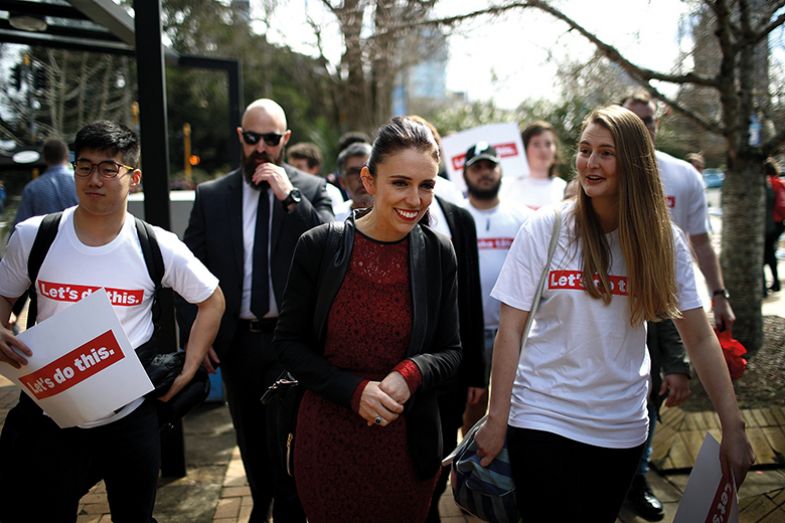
x=282, y=400
x=162, y=370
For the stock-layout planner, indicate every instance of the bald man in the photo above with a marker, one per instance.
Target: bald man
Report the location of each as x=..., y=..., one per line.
x=244, y=227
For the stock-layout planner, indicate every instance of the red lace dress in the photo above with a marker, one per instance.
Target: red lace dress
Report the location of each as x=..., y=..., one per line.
x=345, y=470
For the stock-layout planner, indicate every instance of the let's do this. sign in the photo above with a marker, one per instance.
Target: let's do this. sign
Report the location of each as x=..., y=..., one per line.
x=83, y=367
x=504, y=137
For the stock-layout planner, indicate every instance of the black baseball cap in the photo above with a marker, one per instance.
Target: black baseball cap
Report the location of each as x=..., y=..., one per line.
x=480, y=151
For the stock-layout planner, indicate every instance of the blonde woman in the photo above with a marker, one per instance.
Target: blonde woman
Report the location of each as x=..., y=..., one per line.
x=574, y=406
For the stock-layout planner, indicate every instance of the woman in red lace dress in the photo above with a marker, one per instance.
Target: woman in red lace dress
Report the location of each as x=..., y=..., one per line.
x=369, y=326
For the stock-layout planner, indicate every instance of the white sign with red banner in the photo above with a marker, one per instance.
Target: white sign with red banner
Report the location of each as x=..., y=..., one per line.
x=709, y=497
x=504, y=137
x=83, y=367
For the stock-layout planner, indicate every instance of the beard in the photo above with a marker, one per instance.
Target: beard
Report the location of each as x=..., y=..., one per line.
x=483, y=194
x=250, y=162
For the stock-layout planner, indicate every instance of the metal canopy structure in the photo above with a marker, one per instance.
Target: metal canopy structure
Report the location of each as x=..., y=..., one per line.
x=84, y=25
x=101, y=26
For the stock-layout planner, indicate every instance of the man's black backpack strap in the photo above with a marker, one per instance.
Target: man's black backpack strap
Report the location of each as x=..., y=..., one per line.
x=46, y=234
x=155, y=265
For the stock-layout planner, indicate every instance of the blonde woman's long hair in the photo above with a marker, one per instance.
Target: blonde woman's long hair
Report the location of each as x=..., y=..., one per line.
x=645, y=232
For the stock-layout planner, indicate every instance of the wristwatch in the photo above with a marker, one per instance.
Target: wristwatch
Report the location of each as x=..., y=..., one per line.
x=721, y=292
x=294, y=197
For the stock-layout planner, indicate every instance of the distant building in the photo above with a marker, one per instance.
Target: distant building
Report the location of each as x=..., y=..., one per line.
x=242, y=9
x=423, y=85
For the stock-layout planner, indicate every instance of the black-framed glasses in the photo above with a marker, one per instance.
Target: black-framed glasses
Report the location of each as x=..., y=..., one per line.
x=353, y=171
x=106, y=168
x=271, y=139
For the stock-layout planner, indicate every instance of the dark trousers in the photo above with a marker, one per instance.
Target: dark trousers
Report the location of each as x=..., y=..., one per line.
x=45, y=470
x=451, y=404
x=770, y=253
x=247, y=370
x=558, y=479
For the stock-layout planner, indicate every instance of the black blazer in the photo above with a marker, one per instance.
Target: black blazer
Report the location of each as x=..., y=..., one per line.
x=472, y=371
x=316, y=276
x=215, y=235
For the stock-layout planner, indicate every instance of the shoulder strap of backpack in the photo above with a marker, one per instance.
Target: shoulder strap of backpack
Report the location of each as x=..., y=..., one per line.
x=154, y=261
x=47, y=232
x=151, y=251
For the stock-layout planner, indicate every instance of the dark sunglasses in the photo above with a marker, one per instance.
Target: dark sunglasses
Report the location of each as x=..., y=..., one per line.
x=271, y=139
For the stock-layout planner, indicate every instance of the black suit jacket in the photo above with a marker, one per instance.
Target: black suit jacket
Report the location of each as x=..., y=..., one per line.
x=452, y=401
x=317, y=274
x=215, y=235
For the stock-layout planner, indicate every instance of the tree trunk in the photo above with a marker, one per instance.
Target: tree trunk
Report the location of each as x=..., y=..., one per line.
x=742, y=247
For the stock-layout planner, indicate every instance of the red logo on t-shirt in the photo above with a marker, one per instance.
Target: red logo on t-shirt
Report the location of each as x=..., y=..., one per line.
x=670, y=201
x=571, y=280
x=73, y=293
x=494, y=243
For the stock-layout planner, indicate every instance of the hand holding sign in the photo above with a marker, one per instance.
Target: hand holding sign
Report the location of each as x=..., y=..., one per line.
x=12, y=351
x=81, y=366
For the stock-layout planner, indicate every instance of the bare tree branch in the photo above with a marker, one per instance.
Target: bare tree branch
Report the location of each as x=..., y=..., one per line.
x=709, y=125
x=641, y=74
x=767, y=29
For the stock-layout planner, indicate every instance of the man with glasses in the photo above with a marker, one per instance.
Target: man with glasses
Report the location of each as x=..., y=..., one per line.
x=244, y=227
x=45, y=470
x=350, y=163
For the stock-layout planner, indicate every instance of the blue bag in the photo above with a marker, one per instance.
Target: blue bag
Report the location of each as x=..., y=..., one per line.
x=485, y=492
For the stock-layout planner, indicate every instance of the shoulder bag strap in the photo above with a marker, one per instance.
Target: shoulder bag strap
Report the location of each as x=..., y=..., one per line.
x=155, y=266
x=543, y=276
x=47, y=232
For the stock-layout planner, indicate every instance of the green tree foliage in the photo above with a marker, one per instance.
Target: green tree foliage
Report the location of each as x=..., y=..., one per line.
x=200, y=97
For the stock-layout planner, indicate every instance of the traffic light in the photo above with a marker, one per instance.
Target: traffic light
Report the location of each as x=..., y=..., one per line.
x=16, y=76
x=39, y=78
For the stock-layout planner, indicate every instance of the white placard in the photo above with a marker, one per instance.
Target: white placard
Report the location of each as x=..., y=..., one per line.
x=83, y=367
x=709, y=497
x=504, y=137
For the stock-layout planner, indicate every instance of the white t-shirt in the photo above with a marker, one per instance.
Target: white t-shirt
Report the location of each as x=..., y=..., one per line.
x=584, y=373
x=336, y=198
x=438, y=220
x=447, y=190
x=496, y=229
x=532, y=192
x=684, y=193
x=72, y=270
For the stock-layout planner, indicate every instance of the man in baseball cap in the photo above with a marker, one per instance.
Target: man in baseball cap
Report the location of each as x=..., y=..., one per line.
x=480, y=151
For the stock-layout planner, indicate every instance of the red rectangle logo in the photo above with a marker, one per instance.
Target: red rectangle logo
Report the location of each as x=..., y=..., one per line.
x=571, y=280
x=494, y=243
x=74, y=367
x=73, y=293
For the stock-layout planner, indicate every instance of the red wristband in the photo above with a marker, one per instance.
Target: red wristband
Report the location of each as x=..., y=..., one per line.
x=411, y=373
